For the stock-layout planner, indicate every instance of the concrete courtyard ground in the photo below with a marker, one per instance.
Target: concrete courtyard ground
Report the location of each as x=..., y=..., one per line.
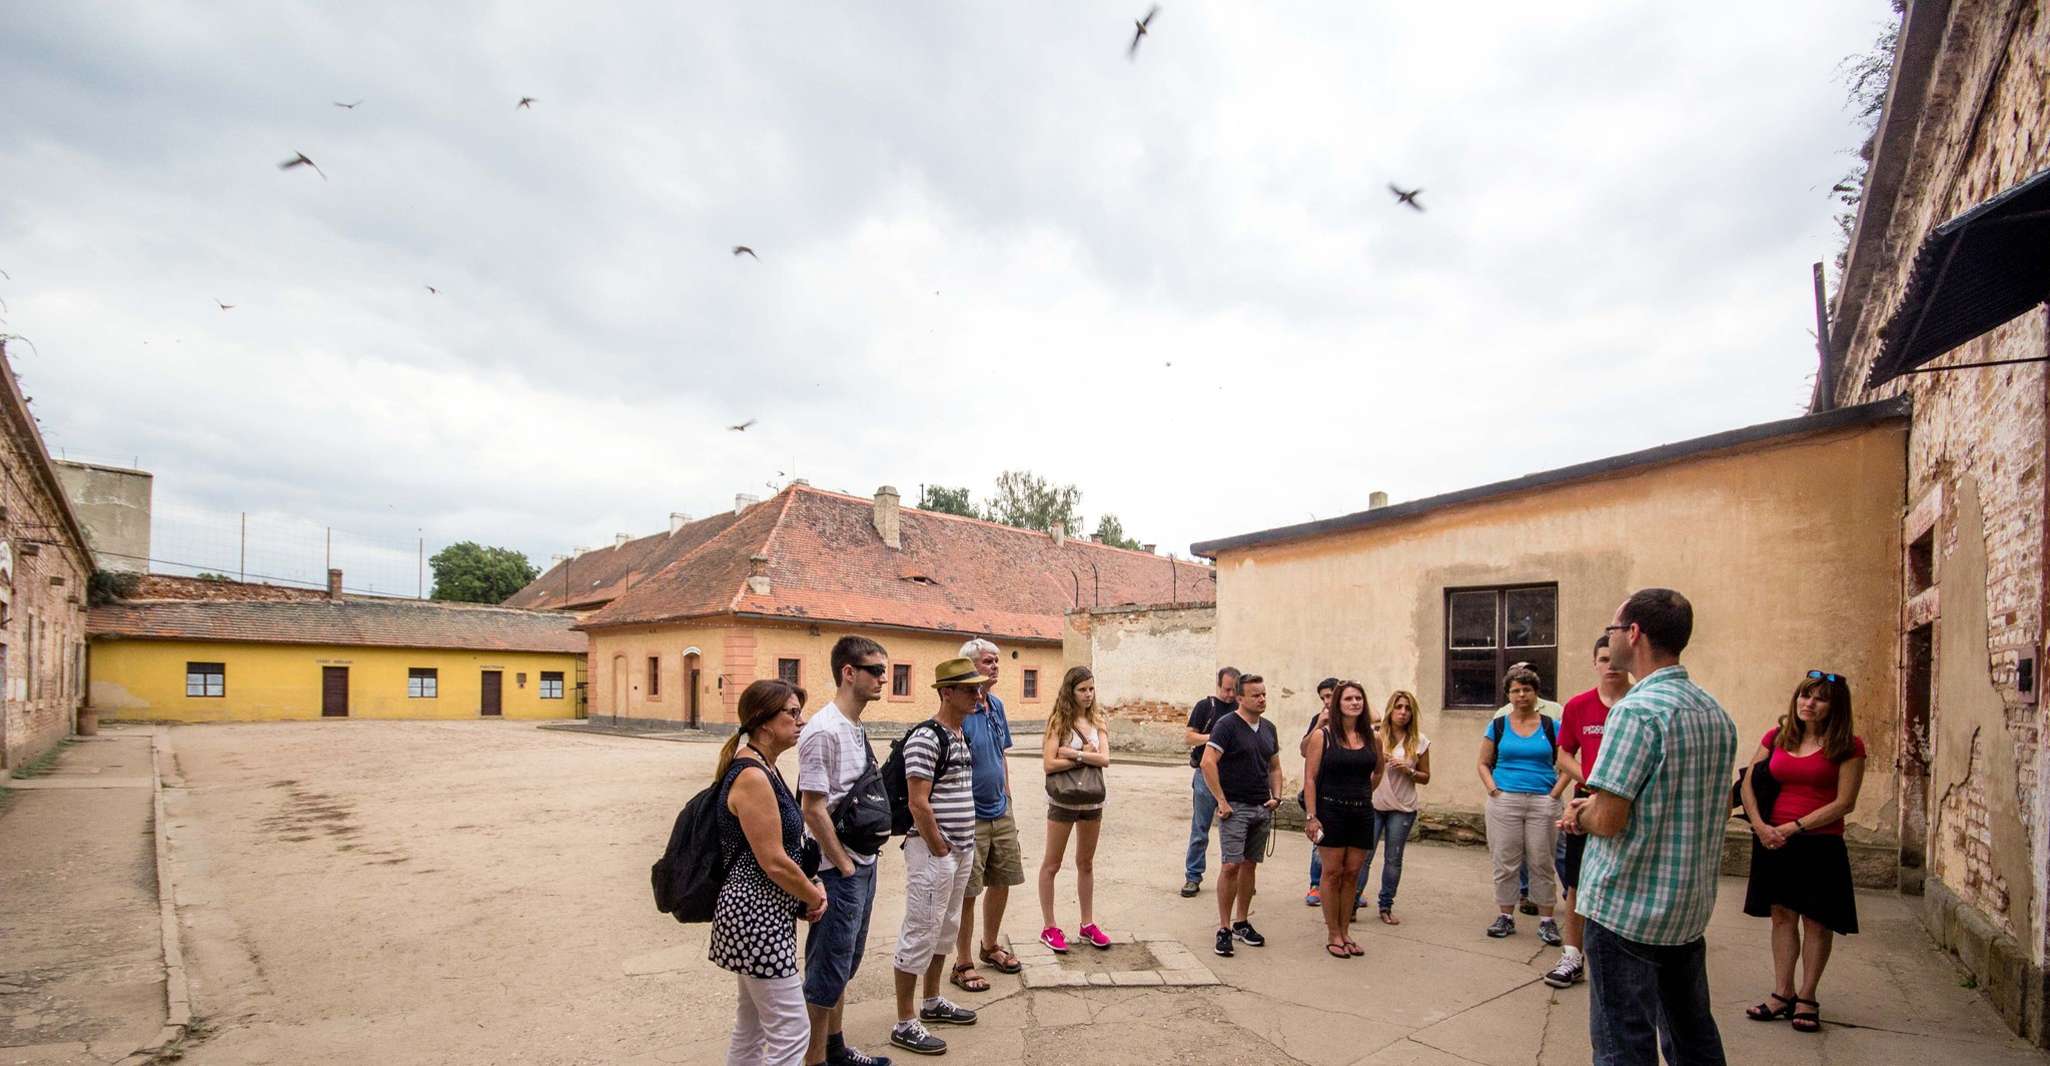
x=478, y=892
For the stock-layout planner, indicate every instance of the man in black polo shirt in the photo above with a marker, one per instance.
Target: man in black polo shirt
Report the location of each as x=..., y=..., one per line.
x=1242, y=768
x=1204, y=806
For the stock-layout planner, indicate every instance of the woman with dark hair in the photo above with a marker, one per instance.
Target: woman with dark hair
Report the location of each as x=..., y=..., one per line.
x=761, y=836
x=1519, y=767
x=1075, y=738
x=1339, y=777
x=1800, y=870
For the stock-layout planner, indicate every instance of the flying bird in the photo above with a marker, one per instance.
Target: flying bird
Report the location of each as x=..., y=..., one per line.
x=300, y=160
x=526, y=102
x=224, y=307
x=1406, y=197
x=1139, y=31
x=431, y=290
x=347, y=107
x=742, y=428
x=742, y=249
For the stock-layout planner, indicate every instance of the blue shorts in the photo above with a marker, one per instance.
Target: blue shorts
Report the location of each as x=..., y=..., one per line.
x=833, y=948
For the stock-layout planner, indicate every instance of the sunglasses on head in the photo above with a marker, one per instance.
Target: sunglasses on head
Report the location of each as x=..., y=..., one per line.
x=876, y=670
x=1820, y=675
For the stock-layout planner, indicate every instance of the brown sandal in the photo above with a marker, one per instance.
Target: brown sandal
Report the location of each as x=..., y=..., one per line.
x=1766, y=1012
x=1001, y=960
x=1389, y=918
x=1337, y=951
x=974, y=982
x=1807, y=1021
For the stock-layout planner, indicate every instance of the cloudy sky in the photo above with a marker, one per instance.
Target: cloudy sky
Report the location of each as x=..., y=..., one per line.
x=986, y=239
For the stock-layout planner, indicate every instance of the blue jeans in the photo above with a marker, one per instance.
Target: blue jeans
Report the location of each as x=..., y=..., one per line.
x=1648, y=998
x=1391, y=829
x=1203, y=812
x=832, y=950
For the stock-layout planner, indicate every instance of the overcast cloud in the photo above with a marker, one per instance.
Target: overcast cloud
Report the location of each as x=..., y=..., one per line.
x=983, y=233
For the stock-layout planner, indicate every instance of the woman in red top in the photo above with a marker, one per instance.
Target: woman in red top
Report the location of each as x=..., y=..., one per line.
x=1800, y=871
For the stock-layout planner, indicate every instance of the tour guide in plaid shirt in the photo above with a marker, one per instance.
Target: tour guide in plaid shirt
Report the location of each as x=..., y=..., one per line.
x=1648, y=880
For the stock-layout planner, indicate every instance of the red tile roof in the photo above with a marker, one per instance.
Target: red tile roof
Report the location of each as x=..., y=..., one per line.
x=350, y=621
x=599, y=576
x=826, y=563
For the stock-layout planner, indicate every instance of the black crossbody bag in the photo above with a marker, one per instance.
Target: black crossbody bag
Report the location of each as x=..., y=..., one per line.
x=861, y=818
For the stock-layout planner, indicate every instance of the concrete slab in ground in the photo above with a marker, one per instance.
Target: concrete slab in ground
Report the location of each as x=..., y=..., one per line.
x=81, y=962
x=477, y=892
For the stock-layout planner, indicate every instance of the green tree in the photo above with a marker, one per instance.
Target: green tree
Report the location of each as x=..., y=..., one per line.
x=209, y=575
x=1024, y=499
x=948, y=501
x=1112, y=532
x=467, y=572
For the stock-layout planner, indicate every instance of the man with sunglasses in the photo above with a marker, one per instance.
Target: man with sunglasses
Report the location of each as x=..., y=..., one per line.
x=1647, y=883
x=832, y=756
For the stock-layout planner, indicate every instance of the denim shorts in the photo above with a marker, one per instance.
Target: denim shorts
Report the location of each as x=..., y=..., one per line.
x=833, y=948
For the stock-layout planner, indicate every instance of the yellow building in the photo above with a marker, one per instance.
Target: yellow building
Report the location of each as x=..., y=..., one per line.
x=681, y=623
x=281, y=654
x=1785, y=536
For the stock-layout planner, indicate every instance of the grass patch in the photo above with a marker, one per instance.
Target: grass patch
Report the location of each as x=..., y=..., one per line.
x=44, y=763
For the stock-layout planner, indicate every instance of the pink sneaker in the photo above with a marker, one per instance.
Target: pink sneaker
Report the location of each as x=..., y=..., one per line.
x=1094, y=936
x=1053, y=938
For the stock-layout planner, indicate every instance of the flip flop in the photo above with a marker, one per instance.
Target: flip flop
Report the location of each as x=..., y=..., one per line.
x=1353, y=949
x=1001, y=960
x=1389, y=918
x=1337, y=951
x=974, y=982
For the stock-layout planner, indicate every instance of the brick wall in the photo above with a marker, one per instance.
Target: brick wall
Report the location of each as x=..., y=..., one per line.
x=1981, y=130
x=44, y=633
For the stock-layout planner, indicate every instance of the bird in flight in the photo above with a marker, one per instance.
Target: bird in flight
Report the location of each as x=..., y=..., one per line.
x=742, y=428
x=299, y=160
x=526, y=102
x=432, y=291
x=347, y=107
x=1139, y=31
x=224, y=307
x=1409, y=197
x=742, y=249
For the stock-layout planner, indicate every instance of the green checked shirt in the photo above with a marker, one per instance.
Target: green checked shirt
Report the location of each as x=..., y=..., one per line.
x=1668, y=748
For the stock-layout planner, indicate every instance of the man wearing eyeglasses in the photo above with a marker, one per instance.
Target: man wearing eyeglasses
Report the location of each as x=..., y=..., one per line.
x=1660, y=795
x=832, y=756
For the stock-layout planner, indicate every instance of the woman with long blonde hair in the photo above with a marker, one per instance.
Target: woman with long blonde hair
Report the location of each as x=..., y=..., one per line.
x=1076, y=739
x=1406, y=763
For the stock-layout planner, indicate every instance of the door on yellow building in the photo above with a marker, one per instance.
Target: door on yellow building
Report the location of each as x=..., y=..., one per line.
x=334, y=692
x=690, y=674
x=493, y=682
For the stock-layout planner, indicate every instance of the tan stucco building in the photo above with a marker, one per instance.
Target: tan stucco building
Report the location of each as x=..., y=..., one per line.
x=680, y=623
x=1784, y=536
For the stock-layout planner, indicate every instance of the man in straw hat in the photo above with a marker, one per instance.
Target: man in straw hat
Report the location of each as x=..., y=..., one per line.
x=939, y=855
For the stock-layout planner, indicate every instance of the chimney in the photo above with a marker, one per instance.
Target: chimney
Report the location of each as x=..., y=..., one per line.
x=887, y=519
x=334, y=584
x=1060, y=532
x=677, y=520
x=577, y=552
x=1376, y=499
x=619, y=539
x=742, y=501
x=758, y=574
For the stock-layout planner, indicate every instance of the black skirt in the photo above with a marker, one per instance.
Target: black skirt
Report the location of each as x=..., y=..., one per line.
x=1346, y=823
x=1810, y=876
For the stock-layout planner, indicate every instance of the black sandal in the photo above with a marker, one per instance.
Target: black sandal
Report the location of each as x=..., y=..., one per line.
x=1766, y=1012
x=1808, y=1021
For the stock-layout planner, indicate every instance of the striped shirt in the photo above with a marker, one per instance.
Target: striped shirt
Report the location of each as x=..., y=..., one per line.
x=953, y=795
x=832, y=754
x=1668, y=747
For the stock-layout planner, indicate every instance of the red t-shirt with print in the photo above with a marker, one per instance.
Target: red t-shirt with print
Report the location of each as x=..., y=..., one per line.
x=1580, y=728
x=1807, y=782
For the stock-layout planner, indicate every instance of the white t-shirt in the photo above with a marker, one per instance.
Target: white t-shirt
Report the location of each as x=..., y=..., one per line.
x=832, y=754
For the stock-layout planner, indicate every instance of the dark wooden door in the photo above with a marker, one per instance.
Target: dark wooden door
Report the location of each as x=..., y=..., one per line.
x=334, y=692
x=493, y=679
x=694, y=697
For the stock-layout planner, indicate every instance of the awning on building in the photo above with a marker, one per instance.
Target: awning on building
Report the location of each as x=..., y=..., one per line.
x=1971, y=275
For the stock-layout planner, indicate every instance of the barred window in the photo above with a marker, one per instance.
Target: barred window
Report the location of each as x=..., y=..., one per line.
x=206, y=679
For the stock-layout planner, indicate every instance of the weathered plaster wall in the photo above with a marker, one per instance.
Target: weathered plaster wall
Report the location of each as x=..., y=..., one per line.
x=1151, y=665
x=1788, y=550
x=113, y=504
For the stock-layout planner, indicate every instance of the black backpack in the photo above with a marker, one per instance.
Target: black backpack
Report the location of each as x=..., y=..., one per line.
x=688, y=875
x=1495, y=734
x=864, y=818
x=893, y=774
